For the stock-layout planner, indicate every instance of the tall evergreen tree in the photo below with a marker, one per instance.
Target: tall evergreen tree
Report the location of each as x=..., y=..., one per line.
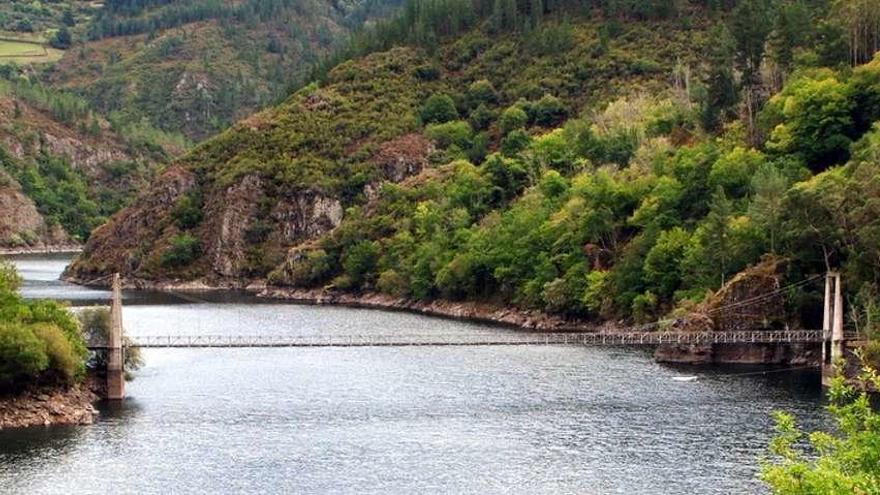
x=721, y=93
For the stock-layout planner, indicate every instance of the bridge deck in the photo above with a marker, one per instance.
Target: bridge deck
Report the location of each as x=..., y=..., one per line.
x=622, y=338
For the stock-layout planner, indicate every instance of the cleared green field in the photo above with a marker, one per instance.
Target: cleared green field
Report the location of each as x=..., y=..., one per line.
x=26, y=52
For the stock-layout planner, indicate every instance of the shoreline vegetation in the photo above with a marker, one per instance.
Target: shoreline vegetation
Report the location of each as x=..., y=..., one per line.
x=47, y=374
x=753, y=280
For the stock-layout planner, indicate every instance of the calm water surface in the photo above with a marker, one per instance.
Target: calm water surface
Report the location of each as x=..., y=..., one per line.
x=482, y=420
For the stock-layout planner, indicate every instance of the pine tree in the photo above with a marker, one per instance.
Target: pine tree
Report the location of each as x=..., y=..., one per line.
x=721, y=93
x=718, y=232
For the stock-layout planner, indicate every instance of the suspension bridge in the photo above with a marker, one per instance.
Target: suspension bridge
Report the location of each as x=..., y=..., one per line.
x=831, y=336
x=511, y=338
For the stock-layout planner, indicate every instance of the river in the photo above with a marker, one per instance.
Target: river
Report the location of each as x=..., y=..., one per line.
x=481, y=420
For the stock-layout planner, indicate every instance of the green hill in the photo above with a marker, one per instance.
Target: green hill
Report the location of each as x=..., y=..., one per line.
x=593, y=162
x=195, y=67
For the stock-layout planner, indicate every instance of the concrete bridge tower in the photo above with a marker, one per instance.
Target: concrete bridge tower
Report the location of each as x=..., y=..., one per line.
x=833, y=343
x=115, y=358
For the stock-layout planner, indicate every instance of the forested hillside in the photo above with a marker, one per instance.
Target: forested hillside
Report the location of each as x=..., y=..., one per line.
x=594, y=160
x=95, y=96
x=194, y=67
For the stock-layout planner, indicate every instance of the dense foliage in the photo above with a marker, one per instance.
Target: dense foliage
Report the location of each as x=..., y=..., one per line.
x=66, y=196
x=604, y=216
x=569, y=174
x=843, y=462
x=40, y=341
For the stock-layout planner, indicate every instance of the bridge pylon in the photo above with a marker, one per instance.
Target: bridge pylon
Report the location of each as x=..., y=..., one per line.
x=833, y=341
x=115, y=350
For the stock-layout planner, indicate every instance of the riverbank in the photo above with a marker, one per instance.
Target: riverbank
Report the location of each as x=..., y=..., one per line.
x=481, y=312
x=49, y=407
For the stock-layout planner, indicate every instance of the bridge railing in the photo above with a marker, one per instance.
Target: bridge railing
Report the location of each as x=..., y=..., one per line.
x=511, y=338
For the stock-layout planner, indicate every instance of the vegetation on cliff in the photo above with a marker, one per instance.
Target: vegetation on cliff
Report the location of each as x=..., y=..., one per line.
x=190, y=68
x=586, y=161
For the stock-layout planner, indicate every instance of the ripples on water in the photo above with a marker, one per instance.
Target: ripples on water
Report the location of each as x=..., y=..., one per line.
x=543, y=419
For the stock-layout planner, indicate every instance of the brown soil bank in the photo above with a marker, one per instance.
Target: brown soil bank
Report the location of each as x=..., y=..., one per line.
x=462, y=310
x=48, y=407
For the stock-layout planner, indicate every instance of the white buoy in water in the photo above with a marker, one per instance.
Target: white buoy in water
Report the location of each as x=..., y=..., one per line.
x=685, y=378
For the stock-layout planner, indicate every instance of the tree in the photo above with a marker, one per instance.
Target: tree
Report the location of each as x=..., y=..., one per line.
x=813, y=117
x=717, y=242
x=481, y=93
x=512, y=118
x=721, y=93
x=733, y=171
x=861, y=21
x=67, y=17
x=844, y=462
x=663, y=264
x=865, y=89
x=439, y=108
x=791, y=28
x=750, y=25
x=22, y=355
x=549, y=110
x=62, y=39
x=768, y=189
x=359, y=262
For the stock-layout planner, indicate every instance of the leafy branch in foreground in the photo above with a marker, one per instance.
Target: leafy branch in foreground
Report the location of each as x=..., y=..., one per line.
x=846, y=461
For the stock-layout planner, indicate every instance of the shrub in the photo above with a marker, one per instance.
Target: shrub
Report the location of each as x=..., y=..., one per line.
x=187, y=212
x=359, y=262
x=62, y=39
x=457, y=133
x=481, y=117
x=64, y=363
x=184, y=250
x=393, y=283
x=481, y=93
x=439, y=108
x=513, y=118
x=549, y=110
x=427, y=72
x=515, y=142
x=22, y=355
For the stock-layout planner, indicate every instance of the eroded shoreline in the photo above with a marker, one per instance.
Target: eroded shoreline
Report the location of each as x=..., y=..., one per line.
x=49, y=406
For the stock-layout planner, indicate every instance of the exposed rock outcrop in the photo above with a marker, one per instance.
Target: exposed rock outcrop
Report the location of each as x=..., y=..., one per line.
x=47, y=407
x=21, y=225
x=306, y=215
x=751, y=300
x=235, y=211
x=117, y=246
x=25, y=131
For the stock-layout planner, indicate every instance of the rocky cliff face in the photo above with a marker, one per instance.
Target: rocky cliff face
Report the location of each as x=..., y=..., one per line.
x=239, y=222
x=751, y=300
x=244, y=230
x=48, y=407
x=27, y=131
x=21, y=225
x=119, y=245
